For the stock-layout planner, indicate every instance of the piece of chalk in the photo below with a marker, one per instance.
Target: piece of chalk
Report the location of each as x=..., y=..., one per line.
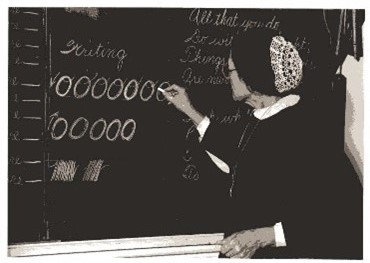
x=161, y=90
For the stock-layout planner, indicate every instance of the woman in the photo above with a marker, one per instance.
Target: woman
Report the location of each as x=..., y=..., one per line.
x=282, y=181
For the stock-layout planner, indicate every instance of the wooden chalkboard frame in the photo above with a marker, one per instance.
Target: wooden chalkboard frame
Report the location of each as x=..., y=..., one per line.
x=200, y=245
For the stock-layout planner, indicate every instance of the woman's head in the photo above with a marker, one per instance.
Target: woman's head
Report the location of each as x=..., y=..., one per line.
x=266, y=62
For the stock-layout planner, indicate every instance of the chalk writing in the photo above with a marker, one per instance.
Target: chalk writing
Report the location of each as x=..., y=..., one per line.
x=15, y=98
x=98, y=83
x=15, y=10
x=15, y=160
x=93, y=127
x=14, y=136
x=14, y=26
x=304, y=48
x=209, y=17
x=190, y=130
x=13, y=81
x=16, y=44
x=92, y=171
x=102, y=86
x=149, y=85
x=89, y=11
x=232, y=20
x=196, y=55
x=84, y=129
x=15, y=179
x=191, y=173
x=200, y=17
x=217, y=80
x=60, y=125
x=99, y=51
x=80, y=80
x=64, y=171
x=16, y=115
x=271, y=24
x=198, y=38
x=187, y=156
x=135, y=85
x=116, y=134
x=226, y=119
x=117, y=82
x=301, y=43
x=226, y=19
x=128, y=137
x=190, y=78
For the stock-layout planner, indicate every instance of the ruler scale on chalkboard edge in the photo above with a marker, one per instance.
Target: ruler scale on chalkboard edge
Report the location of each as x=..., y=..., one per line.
x=31, y=29
x=31, y=63
x=26, y=40
x=30, y=85
x=31, y=13
x=31, y=139
x=31, y=46
x=31, y=100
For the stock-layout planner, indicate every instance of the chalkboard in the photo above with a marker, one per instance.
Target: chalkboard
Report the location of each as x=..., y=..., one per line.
x=94, y=150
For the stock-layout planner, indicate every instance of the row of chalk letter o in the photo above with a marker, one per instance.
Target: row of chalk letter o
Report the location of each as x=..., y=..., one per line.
x=125, y=131
x=129, y=90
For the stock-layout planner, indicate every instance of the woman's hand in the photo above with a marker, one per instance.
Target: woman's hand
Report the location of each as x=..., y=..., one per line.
x=180, y=99
x=245, y=243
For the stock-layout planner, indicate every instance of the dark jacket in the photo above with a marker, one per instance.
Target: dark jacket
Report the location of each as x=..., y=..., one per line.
x=285, y=172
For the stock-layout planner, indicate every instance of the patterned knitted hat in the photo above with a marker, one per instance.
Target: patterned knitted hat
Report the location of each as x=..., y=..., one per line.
x=286, y=64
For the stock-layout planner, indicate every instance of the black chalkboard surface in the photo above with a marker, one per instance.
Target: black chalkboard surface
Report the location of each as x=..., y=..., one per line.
x=111, y=155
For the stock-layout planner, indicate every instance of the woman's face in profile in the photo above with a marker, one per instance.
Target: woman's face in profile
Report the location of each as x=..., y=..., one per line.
x=239, y=88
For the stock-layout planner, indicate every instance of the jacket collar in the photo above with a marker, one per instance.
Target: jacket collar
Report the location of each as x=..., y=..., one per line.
x=283, y=103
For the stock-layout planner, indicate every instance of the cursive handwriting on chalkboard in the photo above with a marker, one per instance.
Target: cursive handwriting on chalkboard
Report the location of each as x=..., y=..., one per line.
x=196, y=55
x=98, y=51
x=207, y=17
x=198, y=38
x=229, y=19
x=189, y=77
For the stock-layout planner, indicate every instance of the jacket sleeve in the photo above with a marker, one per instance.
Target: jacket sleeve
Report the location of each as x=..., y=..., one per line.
x=225, y=140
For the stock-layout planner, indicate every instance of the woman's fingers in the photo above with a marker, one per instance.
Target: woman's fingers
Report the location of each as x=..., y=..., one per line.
x=227, y=243
x=172, y=91
x=230, y=246
x=226, y=248
x=175, y=90
x=249, y=253
x=233, y=252
x=168, y=95
x=241, y=254
x=245, y=253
